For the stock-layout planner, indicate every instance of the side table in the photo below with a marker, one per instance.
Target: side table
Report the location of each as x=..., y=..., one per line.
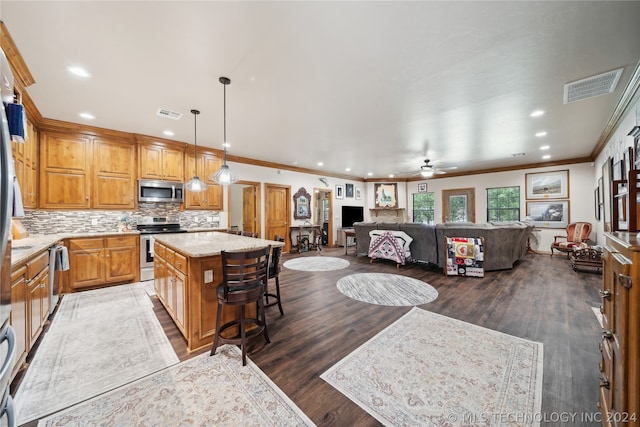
x=586, y=257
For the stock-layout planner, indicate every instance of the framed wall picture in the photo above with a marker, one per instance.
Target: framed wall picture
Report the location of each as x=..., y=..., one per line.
x=547, y=185
x=339, y=192
x=386, y=195
x=549, y=213
x=358, y=193
x=422, y=188
x=607, y=168
x=302, y=204
x=618, y=170
x=596, y=201
x=348, y=190
x=628, y=162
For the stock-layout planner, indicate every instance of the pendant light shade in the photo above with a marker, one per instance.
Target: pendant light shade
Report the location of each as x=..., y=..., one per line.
x=194, y=183
x=224, y=176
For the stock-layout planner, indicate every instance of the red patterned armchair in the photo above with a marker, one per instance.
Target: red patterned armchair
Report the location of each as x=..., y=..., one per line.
x=577, y=237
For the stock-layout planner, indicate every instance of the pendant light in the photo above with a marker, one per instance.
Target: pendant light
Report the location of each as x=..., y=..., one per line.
x=224, y=176
x=194, y=183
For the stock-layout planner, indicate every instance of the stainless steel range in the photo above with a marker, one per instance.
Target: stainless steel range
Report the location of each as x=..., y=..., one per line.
x=149, y=227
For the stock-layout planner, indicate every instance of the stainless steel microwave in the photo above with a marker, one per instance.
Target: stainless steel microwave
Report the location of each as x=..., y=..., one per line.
x=150, y=190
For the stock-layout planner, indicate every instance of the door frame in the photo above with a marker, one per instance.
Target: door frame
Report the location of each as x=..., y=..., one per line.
x=256, y=187
x=470, y=193
x=287, y=188
x=330, y=225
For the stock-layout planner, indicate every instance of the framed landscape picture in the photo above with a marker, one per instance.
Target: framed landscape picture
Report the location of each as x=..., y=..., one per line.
x=547, y=185
x=549, y=213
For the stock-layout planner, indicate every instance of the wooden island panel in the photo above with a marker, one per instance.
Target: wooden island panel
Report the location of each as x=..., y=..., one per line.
x=189, y=293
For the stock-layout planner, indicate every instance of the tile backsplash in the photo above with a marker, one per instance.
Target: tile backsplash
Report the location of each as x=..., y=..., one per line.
x=95, y=221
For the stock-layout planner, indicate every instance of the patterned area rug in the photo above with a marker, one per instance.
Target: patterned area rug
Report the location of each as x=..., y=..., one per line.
x=316, y=263
x=98, y=340
x=148, y=288
x=430, y=370
x=387, y=289
x=204, y=391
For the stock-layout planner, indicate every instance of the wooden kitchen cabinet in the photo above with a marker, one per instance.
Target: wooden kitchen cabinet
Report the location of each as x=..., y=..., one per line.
x=65, y=171
x=19, y=315
x=620, y=363
x=25, y=156
x=161, y=161
x=169, y=282
x=212, y=197
x=114, y=176
x=29, y=303
x=103, y=261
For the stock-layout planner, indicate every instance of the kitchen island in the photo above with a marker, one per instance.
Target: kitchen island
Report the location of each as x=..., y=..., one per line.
x=188, y=269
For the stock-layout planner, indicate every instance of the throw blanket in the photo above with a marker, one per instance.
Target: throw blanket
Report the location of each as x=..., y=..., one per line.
x=465, y=256
x=387, y=245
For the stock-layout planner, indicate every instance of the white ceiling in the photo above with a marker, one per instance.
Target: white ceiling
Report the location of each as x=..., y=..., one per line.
x=372, y=86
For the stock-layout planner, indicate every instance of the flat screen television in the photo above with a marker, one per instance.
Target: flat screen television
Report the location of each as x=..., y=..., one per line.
x=351, y=214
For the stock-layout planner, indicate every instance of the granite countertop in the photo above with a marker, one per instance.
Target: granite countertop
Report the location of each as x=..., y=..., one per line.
x=203, y=244
x=27, y=247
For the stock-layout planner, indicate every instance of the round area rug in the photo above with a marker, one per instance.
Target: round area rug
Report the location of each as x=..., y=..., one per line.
x=387, y=289
x=316, y=263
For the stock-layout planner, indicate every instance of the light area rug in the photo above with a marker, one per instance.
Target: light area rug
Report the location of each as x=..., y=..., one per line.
x=386, y=289
x=206, y=391
x=149, y=288
x=598, y=314
x=316, y=263
x=98, y=340
x=426, y=369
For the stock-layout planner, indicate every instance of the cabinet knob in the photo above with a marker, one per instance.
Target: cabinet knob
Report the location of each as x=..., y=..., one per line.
x=605, y=294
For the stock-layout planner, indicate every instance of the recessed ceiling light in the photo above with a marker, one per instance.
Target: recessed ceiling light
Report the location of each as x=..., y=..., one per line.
x=87, y=116
x=369, y=173
x=226, y=144
x=168, y=132
x=348, y=169
x=78, y=71
x=541, y=134
x=537, y=113
x=320, y=164
x=390, y=175
x=546, y=156
x=544, y=147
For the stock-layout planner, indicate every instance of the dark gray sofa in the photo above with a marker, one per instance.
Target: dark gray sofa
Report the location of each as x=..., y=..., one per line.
x=505, y=243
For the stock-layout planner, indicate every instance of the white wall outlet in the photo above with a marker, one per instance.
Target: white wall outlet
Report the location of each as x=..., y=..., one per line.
x=94, y=221
x=208, y=276
x=209, y=219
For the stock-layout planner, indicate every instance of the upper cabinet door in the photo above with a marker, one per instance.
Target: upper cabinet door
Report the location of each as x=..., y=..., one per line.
x=114, y=180
x=65, y=171
x=159, y=162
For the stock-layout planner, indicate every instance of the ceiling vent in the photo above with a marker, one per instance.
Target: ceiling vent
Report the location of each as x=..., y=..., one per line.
x=590, y=87
x=162, y=112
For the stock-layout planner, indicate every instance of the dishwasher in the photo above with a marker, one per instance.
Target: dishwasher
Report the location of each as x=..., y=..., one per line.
x=58, y=261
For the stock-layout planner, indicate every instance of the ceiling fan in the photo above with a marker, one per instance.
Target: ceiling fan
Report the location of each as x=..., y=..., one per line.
x=427, y=170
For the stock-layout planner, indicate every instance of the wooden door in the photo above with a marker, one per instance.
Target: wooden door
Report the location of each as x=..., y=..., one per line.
x=86, y=268
x=249, y=209
x=172, y=165
x=150, y=162
x=120, y=264
x=194, y=200
x=277, y=212
x=19, y=315
x=459, y=205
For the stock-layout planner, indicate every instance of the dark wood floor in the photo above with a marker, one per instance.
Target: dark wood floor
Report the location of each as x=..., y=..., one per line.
x=541, y=299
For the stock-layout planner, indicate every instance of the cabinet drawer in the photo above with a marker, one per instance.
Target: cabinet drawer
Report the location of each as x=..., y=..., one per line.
x=180, y=262
x=17, y=273
x=119, y=241
x=79, y=244
x=35, y=265
x=159, y=250
x=170, y=256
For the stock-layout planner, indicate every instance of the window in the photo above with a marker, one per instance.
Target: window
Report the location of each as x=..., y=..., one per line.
x=423, y=205
x=503, y=204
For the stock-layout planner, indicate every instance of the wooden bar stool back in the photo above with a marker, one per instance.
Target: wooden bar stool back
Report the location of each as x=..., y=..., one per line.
x=244, y=279
x=274, y=272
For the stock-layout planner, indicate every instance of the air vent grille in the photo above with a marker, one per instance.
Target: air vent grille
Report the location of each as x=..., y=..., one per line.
x=163, y=112
x=590, y=87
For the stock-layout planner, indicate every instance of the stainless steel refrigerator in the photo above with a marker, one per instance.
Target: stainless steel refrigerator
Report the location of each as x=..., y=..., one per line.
x=7, y=177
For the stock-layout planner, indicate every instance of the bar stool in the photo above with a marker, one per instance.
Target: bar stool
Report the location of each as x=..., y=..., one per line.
x=244, y=279
x=274, y=272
